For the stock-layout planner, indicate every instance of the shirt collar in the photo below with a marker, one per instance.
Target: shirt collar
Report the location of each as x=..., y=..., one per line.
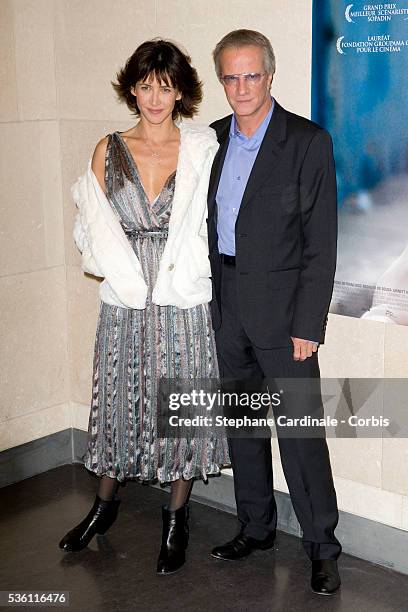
x=257, y=136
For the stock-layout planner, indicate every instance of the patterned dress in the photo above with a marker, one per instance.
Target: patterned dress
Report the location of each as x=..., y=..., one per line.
x=135, y=348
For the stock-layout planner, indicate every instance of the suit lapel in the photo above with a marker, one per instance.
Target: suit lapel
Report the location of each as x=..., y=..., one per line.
x=217, y=166
x=269, y=154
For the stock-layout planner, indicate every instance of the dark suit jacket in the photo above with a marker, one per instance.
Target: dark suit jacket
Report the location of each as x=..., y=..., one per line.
x=285, y=233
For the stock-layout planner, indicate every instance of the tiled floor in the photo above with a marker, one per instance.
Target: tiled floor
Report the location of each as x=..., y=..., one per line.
x=117, y=571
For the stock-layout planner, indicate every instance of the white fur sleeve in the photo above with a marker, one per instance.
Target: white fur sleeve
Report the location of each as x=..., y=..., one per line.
x=88, y=263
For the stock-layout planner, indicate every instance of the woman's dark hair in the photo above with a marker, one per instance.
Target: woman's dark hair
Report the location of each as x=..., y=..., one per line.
x=165, y=61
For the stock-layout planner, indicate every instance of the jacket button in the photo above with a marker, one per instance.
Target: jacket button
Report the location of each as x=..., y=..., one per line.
x=171, y=267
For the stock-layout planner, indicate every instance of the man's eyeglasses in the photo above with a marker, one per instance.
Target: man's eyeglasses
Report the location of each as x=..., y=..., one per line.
x=251, y=78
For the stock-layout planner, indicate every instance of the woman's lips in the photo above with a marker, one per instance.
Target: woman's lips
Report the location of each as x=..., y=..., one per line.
x=155, y=111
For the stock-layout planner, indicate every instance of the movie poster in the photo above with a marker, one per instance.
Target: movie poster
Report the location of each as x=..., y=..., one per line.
x=360, y=95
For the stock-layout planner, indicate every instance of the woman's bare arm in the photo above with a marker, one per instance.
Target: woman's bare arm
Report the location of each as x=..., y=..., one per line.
x=98, y=162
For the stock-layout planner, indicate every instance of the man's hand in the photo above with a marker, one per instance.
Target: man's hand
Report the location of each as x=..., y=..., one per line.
x=302, y=349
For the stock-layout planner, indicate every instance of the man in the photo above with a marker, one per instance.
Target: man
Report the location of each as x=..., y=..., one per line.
x=272, y=228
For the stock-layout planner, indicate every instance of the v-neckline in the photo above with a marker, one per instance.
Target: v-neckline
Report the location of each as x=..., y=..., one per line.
x=139, y=178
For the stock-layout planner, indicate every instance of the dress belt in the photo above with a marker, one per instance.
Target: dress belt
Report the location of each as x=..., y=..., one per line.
x=228, y=260
x=142, y=232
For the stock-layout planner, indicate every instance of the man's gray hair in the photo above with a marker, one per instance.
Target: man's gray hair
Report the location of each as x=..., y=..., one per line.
x=243, y=38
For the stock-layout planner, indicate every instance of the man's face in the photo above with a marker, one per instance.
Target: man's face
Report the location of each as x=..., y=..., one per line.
x=245, y=98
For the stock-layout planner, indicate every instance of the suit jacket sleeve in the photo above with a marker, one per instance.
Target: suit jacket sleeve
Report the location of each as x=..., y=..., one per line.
x=318, y=200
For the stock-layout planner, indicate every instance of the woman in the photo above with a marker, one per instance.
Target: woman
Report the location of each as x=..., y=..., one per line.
x=142, y=226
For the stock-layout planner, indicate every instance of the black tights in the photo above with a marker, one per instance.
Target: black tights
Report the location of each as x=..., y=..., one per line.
x=108, y=488
x=180, y=491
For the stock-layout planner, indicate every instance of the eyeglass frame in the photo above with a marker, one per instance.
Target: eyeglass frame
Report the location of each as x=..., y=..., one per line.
x=242, y=74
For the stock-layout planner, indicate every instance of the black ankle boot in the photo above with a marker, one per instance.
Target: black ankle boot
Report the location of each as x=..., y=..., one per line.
x=174, y=540
x=101, y=516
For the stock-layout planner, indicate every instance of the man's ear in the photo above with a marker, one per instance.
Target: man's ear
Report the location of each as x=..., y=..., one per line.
x=270, y=77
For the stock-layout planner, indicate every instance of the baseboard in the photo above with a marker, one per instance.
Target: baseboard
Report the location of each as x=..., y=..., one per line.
x=35, y=457
x=219, y=493
x=361, y=537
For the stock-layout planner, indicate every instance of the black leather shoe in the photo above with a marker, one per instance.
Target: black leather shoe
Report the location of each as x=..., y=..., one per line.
x=101, y=516
x=242, y=546
x=174, y=540
x=325, y=577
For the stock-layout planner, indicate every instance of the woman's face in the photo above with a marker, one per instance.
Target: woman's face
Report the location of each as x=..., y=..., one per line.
x=155, y=99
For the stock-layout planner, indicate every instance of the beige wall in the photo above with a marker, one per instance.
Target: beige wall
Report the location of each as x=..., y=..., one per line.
x=58, y=57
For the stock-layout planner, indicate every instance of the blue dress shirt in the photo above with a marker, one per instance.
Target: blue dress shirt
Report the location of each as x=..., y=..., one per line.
x=240, y=158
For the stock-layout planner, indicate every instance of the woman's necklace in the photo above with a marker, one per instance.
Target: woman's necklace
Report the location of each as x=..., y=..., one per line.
x=155, y=154
x=156, y=151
